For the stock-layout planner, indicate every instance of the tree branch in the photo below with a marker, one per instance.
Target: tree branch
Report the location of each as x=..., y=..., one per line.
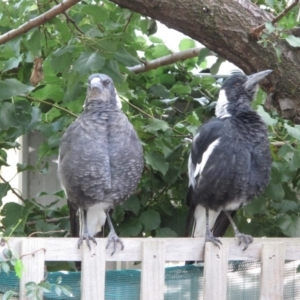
x=166, y=60
x=257, y=30
x=50, y=14
x=70, y=20
x=13, y=190
x=51, y=104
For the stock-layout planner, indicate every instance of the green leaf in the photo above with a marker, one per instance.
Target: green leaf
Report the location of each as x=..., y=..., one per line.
x=49, y=91
x=4, y=188
x=285, y=205
x=266, y=117
x=131, y=227
x=34, y=42
x=202, y=55
x=215, y=67
x=9, y=294
x=270, y=28
x=89, y=62
x=13, y=212
x=132, y=204
x=19, y=268
x=186, y=43
x=23, y=167
x=156, y=125
x=61, y=59
x=274, y=191
x=180, y=89
x=5, y=267
x=7, y=253
x=111, y=68
x=12, y=87
x=159, y=90
x=165, y=232
x=293, y=131
x=45, y=286
x=290, y=225
x=150, y=220
x=58, y=290
x=125, y=58
x=293, y=41
x=157, y=162
x=67, y=290
x=10, y=64
x=118, y=213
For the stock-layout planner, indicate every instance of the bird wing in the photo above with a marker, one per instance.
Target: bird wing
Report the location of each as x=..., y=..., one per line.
x=203, y=143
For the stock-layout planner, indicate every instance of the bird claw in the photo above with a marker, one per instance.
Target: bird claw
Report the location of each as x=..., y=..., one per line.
x=210, y=238
x=244, y=239
x=112, y=237
x=86, y=237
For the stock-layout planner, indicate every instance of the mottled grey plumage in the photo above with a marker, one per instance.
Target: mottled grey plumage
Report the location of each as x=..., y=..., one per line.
x=100, y=158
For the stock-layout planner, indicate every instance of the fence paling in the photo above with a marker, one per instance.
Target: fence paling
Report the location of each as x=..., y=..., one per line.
x=154, y=253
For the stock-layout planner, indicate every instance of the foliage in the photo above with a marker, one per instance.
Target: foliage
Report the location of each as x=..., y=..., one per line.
x=165, y=105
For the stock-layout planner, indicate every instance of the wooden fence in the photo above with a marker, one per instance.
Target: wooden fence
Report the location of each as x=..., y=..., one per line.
x=153, y=253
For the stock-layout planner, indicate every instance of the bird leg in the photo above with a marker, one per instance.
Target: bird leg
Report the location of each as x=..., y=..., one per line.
x=242, y=238
x=209, y=236
x=85, y=235
x=112, y=237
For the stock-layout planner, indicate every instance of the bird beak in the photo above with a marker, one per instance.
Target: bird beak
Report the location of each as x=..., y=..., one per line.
x=96, y=83
x=256, y=78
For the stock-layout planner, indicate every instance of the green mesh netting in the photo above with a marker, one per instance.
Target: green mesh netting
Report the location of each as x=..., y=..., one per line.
x=184, y=282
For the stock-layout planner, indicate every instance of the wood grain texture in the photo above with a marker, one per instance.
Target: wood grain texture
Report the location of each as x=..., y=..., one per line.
x=32, y=253
x=177, y=249
x=153, y=270
x=93, y=271
x=215, y=272
x=272, y=273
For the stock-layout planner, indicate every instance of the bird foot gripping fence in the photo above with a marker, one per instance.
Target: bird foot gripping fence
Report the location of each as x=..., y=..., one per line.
x=269, y=268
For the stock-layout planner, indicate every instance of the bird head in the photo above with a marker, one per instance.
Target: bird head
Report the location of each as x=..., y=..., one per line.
x=238, y=89
x=101, y=89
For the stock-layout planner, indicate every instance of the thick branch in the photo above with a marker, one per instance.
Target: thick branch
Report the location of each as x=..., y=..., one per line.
x=224, y=27
x=53, y=12
x=166, y=60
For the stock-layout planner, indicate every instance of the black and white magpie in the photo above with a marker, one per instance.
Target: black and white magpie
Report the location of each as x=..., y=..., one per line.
x=100, y=160
x=229, y=162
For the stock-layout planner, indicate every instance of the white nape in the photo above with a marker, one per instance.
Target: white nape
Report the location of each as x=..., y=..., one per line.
x=221, y=107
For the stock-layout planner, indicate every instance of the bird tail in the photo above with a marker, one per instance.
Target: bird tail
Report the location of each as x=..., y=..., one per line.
x=190, y=223
x=74, y=221
x=222, y=223
x=196, y=219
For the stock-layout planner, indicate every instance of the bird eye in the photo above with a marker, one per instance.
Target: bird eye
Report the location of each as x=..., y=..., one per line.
x=106, y=82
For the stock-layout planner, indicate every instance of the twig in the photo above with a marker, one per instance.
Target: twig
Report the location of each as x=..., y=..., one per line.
x=257, y=30
x=51, y=104
x=69, y=19
x=45, y=232
x=127, y=23
x=13, y=190
x=31, y=253
x=166, y=60
x=41, y=19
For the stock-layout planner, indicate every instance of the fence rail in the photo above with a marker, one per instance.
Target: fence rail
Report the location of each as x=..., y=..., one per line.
x=153, y=253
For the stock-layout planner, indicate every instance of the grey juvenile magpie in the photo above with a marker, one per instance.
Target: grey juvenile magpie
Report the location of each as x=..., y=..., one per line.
x=230, y=160
x=100, y=159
